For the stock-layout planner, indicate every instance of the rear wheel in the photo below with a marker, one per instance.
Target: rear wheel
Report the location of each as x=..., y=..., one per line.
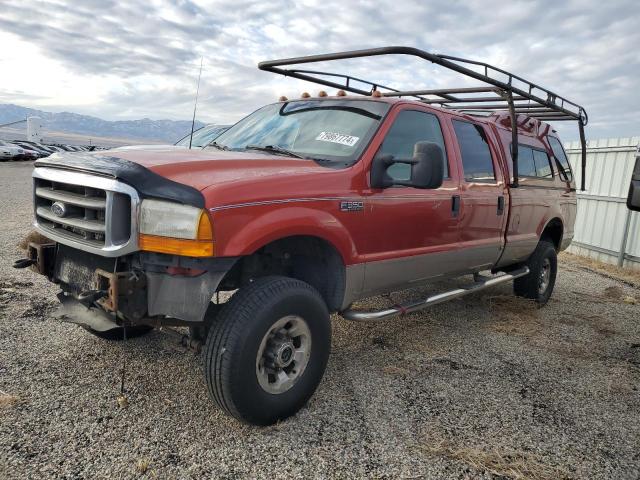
x=266, y=353
x=543, y=267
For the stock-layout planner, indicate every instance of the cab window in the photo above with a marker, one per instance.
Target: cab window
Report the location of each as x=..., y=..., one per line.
x=533, y=163
x=476, y=155
x=526, y=164
x=543, y=164
x=561, y=157
x=409, y=128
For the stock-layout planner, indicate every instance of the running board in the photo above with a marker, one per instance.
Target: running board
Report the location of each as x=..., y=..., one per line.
x=362, y=316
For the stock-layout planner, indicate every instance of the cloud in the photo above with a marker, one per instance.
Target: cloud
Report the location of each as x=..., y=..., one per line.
x=143, y=57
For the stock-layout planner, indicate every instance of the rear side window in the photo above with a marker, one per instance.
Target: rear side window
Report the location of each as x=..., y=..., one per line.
x=476, y=156
x=533, y=163
x=561, y=157
x=409, y=128
x=543, y=164
x=526, y=165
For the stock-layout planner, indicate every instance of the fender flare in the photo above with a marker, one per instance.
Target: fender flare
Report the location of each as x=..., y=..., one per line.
x=554, y=218
x=292, y=221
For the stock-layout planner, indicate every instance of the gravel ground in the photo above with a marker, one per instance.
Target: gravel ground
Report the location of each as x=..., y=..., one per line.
x=483, y=387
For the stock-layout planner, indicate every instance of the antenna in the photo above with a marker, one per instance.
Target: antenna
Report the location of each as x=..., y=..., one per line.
x=195, y=105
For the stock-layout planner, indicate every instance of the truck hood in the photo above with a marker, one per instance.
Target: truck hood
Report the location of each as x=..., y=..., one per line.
x=183, y=175
x=205, y=168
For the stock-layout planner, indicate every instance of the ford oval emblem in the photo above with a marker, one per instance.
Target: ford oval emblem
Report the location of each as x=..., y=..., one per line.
x=59, y=209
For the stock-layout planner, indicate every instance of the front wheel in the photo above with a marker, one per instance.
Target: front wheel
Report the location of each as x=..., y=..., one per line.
x=543, y=267
x=266, y=354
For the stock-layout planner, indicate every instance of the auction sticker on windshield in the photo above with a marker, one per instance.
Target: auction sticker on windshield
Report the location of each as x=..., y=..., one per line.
x=347, y=140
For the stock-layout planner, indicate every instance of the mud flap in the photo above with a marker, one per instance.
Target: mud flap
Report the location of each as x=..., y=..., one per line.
x=185, y=298
x=72, y=311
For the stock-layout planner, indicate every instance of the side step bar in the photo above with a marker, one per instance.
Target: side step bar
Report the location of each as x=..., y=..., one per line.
x=361, y=316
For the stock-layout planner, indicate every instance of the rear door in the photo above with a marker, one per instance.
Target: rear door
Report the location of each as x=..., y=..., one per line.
x=483, y=196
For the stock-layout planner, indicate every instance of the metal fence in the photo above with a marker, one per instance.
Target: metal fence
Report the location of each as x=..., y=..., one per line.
x=605, y=229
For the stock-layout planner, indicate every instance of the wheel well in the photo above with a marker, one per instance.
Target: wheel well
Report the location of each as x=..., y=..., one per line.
x=310, y=259
x=553, y=231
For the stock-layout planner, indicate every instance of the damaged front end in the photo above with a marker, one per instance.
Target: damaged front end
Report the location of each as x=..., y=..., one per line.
x=142, y=288
x=110, y=223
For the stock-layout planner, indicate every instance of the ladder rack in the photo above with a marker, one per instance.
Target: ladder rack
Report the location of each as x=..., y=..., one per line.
x=502, y=90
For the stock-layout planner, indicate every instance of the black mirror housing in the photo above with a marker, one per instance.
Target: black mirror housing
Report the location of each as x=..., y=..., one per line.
x=428, y=171
x=427, y=168
x=633, y=200
x=379, y=176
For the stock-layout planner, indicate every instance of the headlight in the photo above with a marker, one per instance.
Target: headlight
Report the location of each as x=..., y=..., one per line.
x=169, y=227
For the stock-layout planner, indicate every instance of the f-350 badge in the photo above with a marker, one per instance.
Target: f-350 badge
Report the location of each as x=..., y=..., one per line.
x=351, y=206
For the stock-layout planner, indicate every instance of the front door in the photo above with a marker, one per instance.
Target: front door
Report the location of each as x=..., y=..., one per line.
x=411, y=231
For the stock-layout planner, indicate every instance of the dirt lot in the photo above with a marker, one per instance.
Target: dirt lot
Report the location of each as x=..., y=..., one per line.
x=483, y=387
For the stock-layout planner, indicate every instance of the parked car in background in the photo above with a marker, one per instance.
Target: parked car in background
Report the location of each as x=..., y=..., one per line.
x=10, y=151
x=6, y=152
x=67, y=148
x=29, y=150
x=28, y=154
x=201, y=138
x=36, y=147
x=57, y=149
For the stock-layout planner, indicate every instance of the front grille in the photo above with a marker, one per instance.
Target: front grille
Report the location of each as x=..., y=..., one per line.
x=82, y=210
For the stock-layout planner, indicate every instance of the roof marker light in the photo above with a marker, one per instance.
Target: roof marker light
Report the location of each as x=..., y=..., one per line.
x=341, y=93
x=376, y=93
x=305, y=95
x=283, y=98
x=322, y=93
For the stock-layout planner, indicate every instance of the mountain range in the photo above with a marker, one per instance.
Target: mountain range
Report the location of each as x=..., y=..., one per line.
x=144, y=129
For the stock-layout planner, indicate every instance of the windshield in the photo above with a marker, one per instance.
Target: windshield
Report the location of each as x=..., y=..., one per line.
x=323, y=130
x=202, y=136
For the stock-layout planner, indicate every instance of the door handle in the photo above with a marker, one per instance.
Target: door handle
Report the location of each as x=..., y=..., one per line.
x=455, y=205
x=500, y=204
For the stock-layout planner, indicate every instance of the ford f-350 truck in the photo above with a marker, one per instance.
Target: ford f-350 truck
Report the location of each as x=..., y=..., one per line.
x=304, y=207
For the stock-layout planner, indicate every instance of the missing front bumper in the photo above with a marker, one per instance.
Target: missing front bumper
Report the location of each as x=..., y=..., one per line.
x=72, y=311
x=137, y=289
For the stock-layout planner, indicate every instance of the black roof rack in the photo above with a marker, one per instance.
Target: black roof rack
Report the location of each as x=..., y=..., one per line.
x=502, y=90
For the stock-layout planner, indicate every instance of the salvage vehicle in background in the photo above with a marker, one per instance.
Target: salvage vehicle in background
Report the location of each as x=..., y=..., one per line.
x=6, y=153
x=28, y=150
x=303, y=208
x=40, y=149
x=29, y=154
x=201, y=138
x=9, y=151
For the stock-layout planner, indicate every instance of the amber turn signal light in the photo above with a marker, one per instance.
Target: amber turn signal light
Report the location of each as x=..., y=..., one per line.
x=202, y=246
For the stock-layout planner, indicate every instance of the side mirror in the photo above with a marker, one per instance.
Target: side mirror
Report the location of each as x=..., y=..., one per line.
x=633, y=200
x=427, y=168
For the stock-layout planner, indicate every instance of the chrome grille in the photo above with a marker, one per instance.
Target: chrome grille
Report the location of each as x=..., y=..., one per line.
x=89, y=212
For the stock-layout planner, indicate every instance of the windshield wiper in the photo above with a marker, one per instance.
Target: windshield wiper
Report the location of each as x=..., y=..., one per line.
x=275, y=149
x=217, y=145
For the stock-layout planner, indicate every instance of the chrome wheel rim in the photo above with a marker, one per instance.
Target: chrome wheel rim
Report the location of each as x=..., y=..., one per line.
x=283, y=354
x=545, y=276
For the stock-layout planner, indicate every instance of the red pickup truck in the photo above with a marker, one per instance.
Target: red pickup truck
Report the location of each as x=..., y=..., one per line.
x=302, y=208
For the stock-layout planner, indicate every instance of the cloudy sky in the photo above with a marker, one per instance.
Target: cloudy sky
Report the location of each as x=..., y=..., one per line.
x=131, y=59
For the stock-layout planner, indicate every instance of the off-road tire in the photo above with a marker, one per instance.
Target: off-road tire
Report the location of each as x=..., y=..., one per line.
x=117, y=334
x=532, y=285
x=234, y=340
